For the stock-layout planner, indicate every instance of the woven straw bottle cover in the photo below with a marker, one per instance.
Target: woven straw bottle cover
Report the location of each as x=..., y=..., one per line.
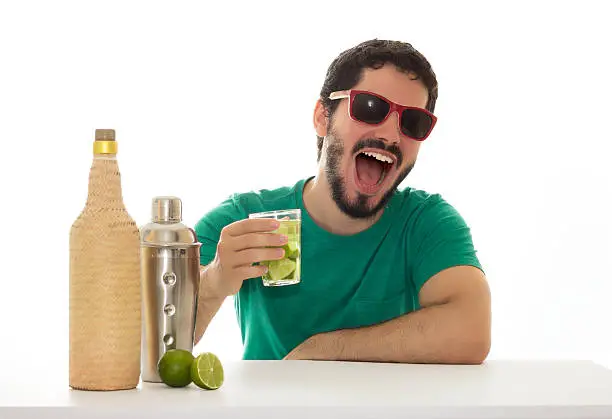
x=105, y=293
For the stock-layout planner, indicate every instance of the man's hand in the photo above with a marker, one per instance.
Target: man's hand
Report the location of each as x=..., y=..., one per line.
x=241, y=244
x=452, y=327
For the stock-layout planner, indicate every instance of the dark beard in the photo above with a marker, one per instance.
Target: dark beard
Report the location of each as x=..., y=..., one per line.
x=357, y=208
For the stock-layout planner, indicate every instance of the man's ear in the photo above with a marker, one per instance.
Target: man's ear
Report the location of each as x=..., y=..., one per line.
x=320, y=119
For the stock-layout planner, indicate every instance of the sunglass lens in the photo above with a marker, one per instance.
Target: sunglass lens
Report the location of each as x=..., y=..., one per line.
x=415, y=123
x=369, y=109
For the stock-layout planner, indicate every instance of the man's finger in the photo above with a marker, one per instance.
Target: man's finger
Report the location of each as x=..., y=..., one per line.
x=252, y=225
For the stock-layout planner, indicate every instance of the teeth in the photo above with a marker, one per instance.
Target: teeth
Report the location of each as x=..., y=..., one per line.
x=379, y=157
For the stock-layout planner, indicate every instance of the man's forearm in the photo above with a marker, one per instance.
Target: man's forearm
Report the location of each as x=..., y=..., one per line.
x=437, y=334
x=208, y=304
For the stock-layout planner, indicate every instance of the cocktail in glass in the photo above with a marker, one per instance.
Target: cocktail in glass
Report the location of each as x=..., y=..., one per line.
x=285, y=271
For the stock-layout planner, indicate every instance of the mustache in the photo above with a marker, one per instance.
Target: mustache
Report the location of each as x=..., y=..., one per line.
x=380, y=144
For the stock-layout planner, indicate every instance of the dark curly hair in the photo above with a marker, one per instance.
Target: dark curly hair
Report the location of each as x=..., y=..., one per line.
x=347, y=69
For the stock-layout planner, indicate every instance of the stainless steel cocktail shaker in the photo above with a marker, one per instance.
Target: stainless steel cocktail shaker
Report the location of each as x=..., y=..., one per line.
x=170, y=260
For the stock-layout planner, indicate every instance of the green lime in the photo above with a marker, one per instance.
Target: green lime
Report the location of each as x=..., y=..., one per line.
x=174, y=367
x=282, y=228
x=295, y=254
x=291, y=249
x=279, y=269
x=207, y=371
x=288, y=227
x=292, y=227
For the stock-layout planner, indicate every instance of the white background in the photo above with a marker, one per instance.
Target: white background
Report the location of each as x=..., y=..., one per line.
x=213, y=98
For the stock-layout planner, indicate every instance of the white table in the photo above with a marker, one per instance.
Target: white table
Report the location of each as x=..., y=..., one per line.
x=304, y=389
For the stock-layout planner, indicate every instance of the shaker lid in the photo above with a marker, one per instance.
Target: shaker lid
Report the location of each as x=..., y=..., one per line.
x=165, y=228
x=166, y=209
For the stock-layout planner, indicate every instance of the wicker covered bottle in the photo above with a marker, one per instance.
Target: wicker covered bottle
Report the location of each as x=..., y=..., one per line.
x=105, y=294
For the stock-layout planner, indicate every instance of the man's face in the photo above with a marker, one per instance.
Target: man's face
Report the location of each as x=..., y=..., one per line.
x=361, y=185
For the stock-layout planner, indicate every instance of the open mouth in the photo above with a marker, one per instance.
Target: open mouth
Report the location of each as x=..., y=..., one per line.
x=371, y=170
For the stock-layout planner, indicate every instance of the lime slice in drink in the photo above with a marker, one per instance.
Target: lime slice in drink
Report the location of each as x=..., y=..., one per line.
x=291, y=249
x=207, y=371
x=279, y=269
x=292, y=227
x=174, y=367
x=282, y=229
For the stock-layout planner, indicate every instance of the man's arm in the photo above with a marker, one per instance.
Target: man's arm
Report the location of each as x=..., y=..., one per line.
x=453, y=326
x=241, y=246
x=208, y=304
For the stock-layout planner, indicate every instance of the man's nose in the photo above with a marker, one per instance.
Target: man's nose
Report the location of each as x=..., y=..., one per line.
x=390, y=129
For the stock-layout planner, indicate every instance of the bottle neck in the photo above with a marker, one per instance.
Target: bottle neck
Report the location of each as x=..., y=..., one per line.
x=104, y=190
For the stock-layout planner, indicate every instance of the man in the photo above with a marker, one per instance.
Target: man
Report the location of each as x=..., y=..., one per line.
x=387, y=275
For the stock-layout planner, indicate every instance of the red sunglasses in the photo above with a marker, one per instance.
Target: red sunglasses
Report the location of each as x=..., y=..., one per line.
x=371, y=108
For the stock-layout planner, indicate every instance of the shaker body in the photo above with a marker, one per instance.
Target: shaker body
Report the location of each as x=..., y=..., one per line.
x=170, y=282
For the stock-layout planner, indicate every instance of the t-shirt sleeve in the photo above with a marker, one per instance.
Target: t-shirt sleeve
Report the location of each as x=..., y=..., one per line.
x=442, y=239
x=208, y=228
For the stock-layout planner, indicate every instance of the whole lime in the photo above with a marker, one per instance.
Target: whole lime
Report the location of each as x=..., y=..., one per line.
x=174, y=367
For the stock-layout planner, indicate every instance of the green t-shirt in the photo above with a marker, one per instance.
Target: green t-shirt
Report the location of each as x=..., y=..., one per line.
x=346, y=281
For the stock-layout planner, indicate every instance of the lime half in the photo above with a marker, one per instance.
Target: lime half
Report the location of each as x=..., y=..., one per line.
x=207, y=371
x=174, y=367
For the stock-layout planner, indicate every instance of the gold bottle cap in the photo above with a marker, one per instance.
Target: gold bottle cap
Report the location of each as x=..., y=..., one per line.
x=105, y=142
